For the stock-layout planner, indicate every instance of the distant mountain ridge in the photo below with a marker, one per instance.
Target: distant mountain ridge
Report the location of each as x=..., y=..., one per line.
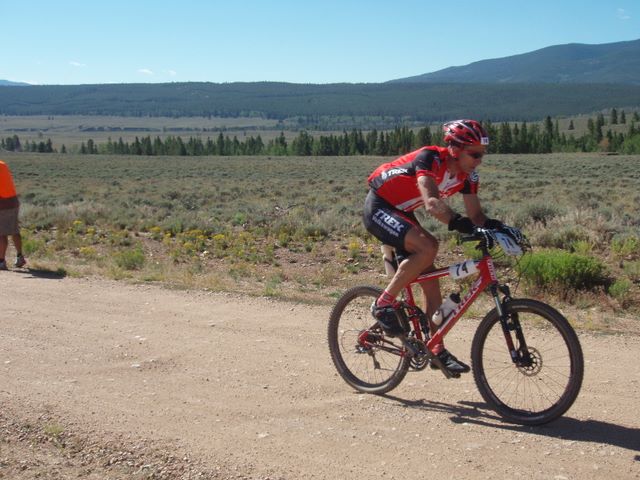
x=617, y=63
x=560, y=80
x=9, y=83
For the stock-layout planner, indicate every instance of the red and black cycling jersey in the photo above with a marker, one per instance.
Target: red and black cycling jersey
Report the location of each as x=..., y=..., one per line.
x=397, y=182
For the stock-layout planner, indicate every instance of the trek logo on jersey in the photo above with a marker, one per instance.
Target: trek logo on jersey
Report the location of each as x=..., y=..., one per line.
x=393, y=172
x=389, y=221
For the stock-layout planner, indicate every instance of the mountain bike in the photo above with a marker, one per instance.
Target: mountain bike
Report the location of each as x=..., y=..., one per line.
x=526, y=358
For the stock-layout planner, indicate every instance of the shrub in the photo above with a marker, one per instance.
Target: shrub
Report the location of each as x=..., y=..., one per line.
x=536, y=213
x=130, y=259
x=32, y=245
x=620, y=290
x=563, y=271
x=625, y=246
x=632, y=269
x=563, y=237
x=582, y=247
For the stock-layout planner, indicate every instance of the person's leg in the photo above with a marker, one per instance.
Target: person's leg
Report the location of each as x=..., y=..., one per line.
x=431, y=295
x=4, y=242
x=402, y=231
x=3, y=251
x=17, y=243
x=423, y=248
x=433, y=300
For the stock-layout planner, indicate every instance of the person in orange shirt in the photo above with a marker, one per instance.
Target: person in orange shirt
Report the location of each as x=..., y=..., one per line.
x=9, y=208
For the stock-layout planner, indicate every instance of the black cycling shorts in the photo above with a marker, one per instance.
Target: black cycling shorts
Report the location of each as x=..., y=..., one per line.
x=387, y=223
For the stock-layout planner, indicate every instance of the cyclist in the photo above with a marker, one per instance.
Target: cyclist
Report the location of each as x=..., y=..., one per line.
x=425, y=177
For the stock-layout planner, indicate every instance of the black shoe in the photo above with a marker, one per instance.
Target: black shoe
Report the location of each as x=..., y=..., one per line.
x=388, y=318
x=20, y=262
x=451, y=363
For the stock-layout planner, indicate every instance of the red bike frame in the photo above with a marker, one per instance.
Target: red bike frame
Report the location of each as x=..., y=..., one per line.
x=487, y=277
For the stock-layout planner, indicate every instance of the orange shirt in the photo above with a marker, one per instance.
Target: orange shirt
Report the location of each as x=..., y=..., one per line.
x=7, y=188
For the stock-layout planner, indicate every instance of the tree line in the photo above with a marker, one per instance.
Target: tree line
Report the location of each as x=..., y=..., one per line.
x=325, y=105
x=13, y=144
x=505, y=138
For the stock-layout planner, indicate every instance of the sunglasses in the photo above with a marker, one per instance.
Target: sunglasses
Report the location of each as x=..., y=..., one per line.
x=476, y=155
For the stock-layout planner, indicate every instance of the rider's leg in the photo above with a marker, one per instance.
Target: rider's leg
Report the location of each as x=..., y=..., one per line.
x=433, y=300
x=422, y=247
x=431, y=295
x=402, y=231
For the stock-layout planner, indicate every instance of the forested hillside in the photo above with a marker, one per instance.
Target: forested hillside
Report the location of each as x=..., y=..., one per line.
x=399, y=103
x=572, y=63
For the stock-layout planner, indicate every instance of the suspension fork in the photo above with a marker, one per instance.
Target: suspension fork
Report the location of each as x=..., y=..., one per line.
x=510, y=322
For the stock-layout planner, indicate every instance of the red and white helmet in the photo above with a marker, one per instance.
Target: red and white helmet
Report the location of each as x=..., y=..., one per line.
x=465, y=132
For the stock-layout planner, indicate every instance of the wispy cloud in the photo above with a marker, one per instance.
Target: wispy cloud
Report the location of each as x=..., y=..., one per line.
x=172, y=73
x=145, y=71
x=73, y=63
x=622, y=14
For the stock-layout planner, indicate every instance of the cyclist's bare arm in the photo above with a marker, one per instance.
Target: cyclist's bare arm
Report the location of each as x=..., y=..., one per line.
x=474, y=209
x=434, y=205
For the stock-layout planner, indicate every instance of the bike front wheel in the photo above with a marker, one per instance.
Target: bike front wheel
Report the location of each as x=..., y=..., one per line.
x=366, y=358
x=544, y=380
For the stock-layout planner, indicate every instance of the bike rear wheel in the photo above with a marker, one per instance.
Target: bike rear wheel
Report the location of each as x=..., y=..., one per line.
x=542, y=387
x=366, y=358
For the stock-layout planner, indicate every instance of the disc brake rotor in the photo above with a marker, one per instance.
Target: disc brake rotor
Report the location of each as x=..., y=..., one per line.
x=535, y=366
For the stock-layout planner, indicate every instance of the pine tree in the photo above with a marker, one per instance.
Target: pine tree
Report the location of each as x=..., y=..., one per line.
x=16, y=144
x=548, y=126
x=524, y=145
x=599, y=125
x=302, y=145
x=504, y=142
x=424, y=137
x=220, y=144
x=372, y=141
x=515, y=139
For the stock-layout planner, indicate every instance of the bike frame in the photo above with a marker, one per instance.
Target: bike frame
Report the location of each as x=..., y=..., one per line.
x=486, y=278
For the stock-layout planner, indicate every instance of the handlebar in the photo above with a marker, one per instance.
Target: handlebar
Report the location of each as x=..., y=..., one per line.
x=488, y=238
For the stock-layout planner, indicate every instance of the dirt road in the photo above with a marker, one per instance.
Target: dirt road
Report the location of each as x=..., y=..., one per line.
x=104, y=380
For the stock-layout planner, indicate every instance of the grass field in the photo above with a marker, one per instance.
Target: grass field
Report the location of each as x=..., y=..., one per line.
x=291, y=227
x=72, y=130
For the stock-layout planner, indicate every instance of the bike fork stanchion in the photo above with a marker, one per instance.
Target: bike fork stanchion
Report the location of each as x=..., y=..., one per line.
x=504, y=320
x=509, y=322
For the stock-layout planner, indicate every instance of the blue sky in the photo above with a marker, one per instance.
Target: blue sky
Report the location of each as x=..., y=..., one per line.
x=329, y=41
